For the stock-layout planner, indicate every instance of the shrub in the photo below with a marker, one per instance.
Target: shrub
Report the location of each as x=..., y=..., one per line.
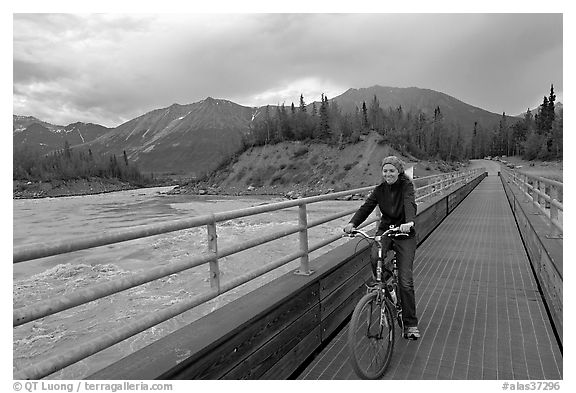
x=261, y=175
x=300, y=178
x=241, y=174
x=347, y=167
x=340, y=176
x=300, y=152
x=277, y=179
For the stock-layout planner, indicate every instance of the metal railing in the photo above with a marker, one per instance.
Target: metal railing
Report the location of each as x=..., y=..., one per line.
x=430, y=186
x=544, y=194
x=23, y=315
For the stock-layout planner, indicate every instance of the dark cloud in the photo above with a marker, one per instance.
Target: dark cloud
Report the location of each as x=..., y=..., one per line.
x=30, y=72
x=113, y=67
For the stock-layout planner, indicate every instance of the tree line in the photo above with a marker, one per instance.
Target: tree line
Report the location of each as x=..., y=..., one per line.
x=68, y=164
x=536, y=136
x=424, y=136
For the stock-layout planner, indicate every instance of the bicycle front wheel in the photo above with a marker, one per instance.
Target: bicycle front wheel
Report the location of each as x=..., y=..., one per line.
x=371, y=336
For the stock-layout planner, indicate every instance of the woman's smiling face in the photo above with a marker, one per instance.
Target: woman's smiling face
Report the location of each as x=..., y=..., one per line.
x=390, y=173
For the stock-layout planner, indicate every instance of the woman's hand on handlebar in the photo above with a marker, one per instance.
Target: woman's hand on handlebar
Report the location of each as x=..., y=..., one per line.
x=405, y=228
x=349, y=228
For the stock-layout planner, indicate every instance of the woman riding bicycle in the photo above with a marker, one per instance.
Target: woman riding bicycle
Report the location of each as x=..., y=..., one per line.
x=395, y=198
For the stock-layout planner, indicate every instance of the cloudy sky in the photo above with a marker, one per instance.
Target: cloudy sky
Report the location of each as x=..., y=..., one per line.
x=110, y=68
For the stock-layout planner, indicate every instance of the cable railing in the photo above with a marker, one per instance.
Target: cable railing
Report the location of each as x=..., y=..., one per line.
x=544, y=195
x=432, y=186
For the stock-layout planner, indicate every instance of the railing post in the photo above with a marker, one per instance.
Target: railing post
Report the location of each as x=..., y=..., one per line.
x=213, y=248
x=535, y=197
x=525, y=188
x=554, y=231
x=304, y=269
x=541, y=200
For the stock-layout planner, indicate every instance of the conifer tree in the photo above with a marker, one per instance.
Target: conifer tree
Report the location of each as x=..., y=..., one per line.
x=543, y=122
x=504, y=142
x=67, y=150
x=557, y=136
x=365, y=122
x=519, y=132
x=437, y=132
x=302, y=104
x=376, y=116
x=551, y=100
x=324, y=126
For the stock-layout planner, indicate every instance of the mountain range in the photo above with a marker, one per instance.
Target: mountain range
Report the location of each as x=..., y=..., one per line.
x=46, y=137
x=196, y=138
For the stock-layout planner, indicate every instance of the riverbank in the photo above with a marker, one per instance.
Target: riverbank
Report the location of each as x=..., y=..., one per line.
x=60, y=188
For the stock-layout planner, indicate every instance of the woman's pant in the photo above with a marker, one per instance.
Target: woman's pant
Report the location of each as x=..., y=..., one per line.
x=405, y=252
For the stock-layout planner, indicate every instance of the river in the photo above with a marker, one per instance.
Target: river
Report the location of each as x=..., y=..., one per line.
x=44, y=220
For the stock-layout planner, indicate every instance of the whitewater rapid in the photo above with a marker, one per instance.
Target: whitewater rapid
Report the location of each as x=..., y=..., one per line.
x=43, y=220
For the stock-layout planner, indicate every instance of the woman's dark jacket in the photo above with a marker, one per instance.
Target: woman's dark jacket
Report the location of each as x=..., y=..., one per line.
x=396, y=202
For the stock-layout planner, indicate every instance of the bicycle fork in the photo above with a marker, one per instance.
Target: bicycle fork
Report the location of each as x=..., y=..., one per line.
x=396, y=302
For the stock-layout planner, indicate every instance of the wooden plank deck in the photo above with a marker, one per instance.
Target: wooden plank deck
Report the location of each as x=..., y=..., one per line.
x=481, y=314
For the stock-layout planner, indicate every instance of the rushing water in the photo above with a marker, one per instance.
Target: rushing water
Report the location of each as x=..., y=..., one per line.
x=44, y=220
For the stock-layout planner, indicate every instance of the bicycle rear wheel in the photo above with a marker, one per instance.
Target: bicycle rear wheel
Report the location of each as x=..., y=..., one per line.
x=371, y=336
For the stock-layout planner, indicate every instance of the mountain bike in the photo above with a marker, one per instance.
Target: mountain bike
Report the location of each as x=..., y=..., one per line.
x=371, y=332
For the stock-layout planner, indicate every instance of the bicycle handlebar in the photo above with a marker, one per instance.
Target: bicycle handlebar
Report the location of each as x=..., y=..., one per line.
x=391, y=232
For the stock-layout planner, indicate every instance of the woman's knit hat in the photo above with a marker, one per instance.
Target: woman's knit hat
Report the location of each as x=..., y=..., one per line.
x=393, y=160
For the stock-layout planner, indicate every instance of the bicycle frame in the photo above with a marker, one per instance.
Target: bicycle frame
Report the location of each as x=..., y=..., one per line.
x=380, y=284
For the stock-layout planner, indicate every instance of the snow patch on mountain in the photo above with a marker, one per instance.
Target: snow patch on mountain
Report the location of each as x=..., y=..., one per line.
x=131, y=132
x=181, y=117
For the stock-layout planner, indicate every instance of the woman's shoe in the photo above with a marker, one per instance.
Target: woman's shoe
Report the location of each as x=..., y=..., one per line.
x=411, y=333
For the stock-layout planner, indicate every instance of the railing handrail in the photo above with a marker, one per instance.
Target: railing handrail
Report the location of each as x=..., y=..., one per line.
x=51, y=306
x=555, y=206
x=550, y=182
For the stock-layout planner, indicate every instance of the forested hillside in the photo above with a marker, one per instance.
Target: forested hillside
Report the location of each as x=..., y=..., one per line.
x=413, y=131
x=36, y=174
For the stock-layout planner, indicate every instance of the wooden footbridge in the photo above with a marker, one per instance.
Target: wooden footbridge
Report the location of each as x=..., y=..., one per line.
x=488, y=276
